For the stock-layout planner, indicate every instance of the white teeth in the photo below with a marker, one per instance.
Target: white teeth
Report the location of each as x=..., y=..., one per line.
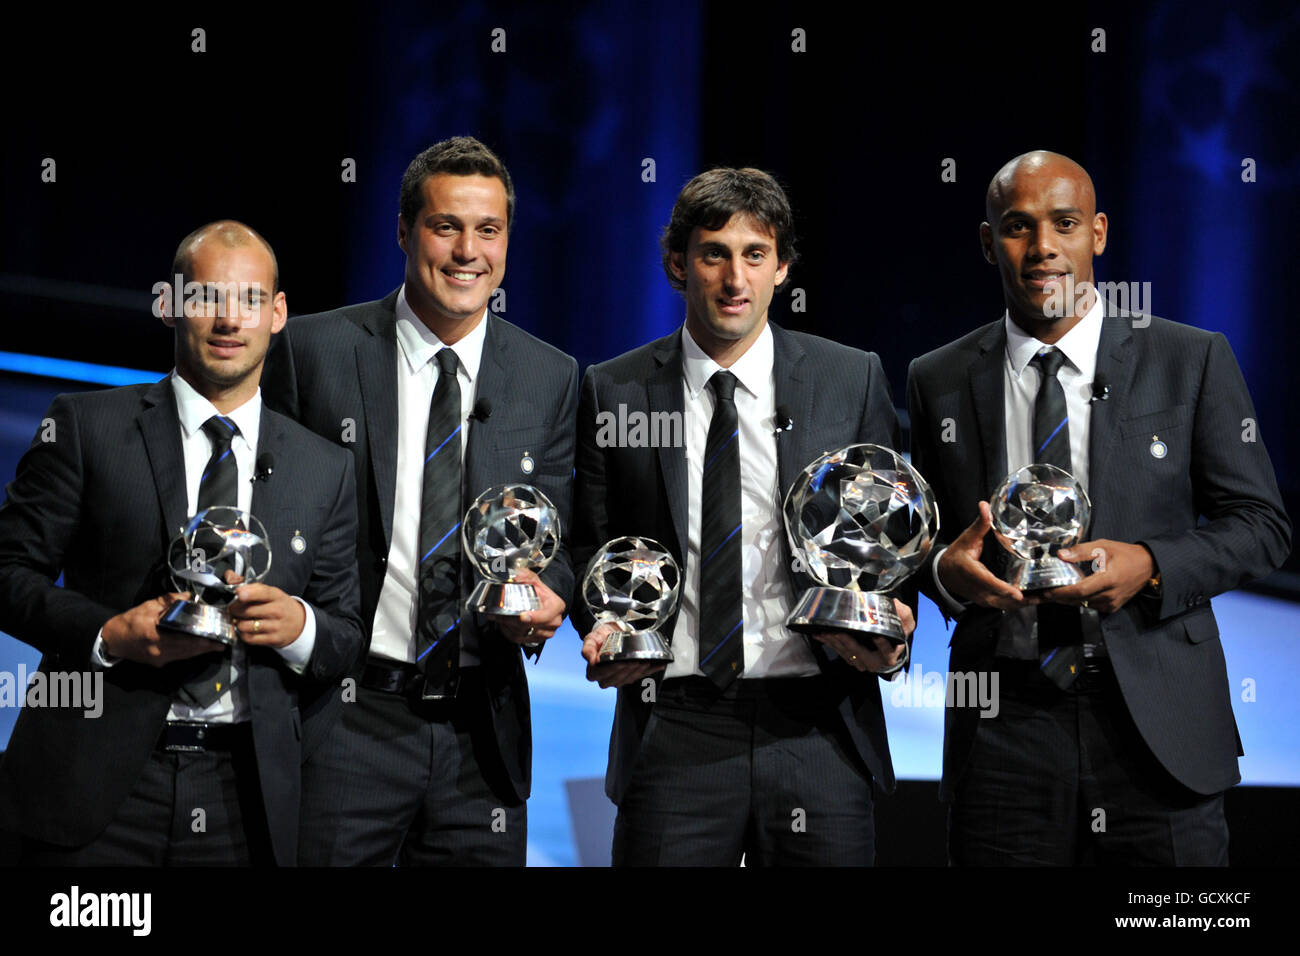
x=465, y=276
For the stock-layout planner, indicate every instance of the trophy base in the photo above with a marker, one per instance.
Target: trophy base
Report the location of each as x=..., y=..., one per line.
x=199, y=620
x=507, y=600
x=839, y=609
x=634, y=646
x=1041, y=573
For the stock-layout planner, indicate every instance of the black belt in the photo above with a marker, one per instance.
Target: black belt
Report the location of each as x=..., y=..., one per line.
x=1095, y=674
x=396, y=677
x=195, y=736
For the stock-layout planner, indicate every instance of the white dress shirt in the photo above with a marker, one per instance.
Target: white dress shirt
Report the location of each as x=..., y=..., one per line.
x=193, y=410
x=393, y=635
x=771, y=649
x=1020, y=382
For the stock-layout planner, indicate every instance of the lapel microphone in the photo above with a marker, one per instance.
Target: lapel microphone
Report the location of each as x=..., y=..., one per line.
x=482, y=411
x=264, y=468
x=784, y=422
x=1100, y=389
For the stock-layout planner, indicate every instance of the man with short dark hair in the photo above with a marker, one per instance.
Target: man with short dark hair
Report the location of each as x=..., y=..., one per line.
x=1114, y=739
x=758, y=742
x=194, y=755
x=439, y=399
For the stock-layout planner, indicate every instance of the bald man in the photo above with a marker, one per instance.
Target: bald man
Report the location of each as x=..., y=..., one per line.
x=1114, y=738
x=174, y=749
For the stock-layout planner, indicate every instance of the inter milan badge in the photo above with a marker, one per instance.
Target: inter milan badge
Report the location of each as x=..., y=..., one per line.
x=298, y=543
x=1158, y=448
x=526, y=464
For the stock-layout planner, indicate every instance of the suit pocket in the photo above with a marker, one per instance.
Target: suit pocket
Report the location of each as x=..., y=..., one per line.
x=1165, y=420
x=526, y=438
x=1201, y=626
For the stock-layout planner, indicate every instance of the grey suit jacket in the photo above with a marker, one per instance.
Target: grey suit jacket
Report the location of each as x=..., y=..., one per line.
x=1167, y=380
x=336, y=372
x=100, y=503
x=835, y=395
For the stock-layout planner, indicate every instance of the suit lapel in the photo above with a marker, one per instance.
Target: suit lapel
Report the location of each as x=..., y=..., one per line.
x=161, y=427
x=377, y=374
x=270, y=438
x=990, y=414
x=1114, y=367
x=795, y=392
x=664, y=394
x=494, y=381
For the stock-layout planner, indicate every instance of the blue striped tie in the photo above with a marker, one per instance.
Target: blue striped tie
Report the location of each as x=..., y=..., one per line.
x=722, y=656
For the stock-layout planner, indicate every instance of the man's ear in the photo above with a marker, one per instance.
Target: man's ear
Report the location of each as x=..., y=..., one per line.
x=163, y=308
x=1099, y=227
x=677, y=263
x=986, y=243
x=279, y=312
x=781, y=273
x=401, y=232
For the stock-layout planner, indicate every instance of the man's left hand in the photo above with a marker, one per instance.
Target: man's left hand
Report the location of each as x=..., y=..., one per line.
x=1119, y=572
x=533, y=627
x=861, y=654
x=267, y=616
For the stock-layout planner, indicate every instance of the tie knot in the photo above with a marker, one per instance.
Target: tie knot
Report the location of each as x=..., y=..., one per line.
x=724, y=385
x=447, y=361
x=1049, y=362
x=220, y=430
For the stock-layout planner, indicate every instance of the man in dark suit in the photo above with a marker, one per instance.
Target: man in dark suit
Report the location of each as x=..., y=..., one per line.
x=1114, y=739
x=759, y=742
x=438, y=399
x=194, y=755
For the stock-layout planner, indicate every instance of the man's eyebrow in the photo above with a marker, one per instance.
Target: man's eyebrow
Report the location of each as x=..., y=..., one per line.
x=452, y=217
x=1063, y=211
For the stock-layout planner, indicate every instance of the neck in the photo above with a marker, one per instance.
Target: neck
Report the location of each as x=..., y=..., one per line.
x=1050, y=331
x=225, y=398
x=449, y=330
x=726, y=352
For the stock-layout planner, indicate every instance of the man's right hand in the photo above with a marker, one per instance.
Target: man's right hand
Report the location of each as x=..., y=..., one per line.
x=964, y=577
x=134, y=636
x=614, y=674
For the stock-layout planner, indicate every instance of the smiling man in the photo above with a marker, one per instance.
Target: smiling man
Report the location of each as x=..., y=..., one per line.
x=1115, y=737
x=757, y=742
x=195, y=757
x=438, y=399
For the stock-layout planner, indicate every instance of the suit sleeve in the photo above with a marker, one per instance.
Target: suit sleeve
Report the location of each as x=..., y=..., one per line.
x=39, y=523
x=590, y=520
x=1247, y=534
x=558, y=575
x=925, y=460
x=334, y=589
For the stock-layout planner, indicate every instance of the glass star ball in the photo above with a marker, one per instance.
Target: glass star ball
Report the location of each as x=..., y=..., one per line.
x=1038, y=510
x=632, y=580
x=510, y=528
x=861, y=518
x=217, y=550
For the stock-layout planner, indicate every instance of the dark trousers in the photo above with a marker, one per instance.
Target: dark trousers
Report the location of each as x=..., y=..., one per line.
x=187, y=809
x=399, y=781
x=766, y=770
x=1060, y=778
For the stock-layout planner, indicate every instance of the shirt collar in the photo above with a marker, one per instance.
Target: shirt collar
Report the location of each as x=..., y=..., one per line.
x=1079, y=345
x=753, y=370
x=193, y=410
x=419, y=345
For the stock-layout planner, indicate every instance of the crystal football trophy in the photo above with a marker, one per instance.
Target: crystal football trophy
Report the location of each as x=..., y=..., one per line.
x=633, y=583
x=508, y=529
x=1037, y=511
x=218, y=550
x=860, y=520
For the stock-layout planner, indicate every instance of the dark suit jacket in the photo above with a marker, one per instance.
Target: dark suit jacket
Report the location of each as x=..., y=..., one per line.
x=100, y=503
x=336, y=372
x=836, y=396
x=1168, y=380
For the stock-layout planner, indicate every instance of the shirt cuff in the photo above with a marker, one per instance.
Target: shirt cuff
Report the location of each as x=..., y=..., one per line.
x=100, y=659
x=951, y=606
x=297, y=654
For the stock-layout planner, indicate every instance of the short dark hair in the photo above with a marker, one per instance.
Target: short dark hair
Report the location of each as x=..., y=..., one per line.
x=459, y=156
x=712, y=198
x=231, y=234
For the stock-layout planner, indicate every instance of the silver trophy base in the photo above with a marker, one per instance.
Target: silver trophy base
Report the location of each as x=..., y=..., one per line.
x=1041, y=573
x=839, y=609
x=199, y=620
x=507, y=600
x=634, y=646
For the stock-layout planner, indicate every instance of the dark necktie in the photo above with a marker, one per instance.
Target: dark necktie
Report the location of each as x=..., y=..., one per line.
x=218, y=486
x=437, y=625
x=1059, y=651
x=721, y=617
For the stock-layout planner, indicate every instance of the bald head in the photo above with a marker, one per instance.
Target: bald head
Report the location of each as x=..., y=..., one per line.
x=227, y=233
x=1040, y=166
